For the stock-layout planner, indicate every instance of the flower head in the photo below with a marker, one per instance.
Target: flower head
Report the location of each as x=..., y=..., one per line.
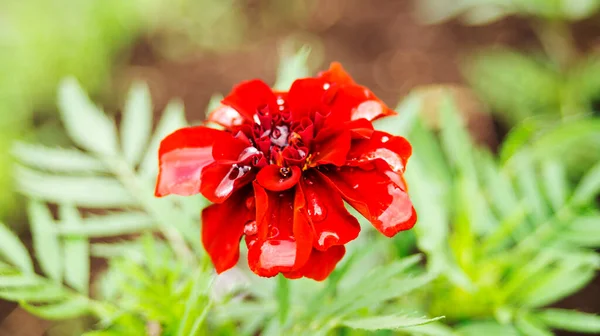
x=281, y=168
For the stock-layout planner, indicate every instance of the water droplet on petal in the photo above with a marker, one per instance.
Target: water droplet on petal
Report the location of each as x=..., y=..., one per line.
x=385, y=139
x=250, y=228
x=328, y=238
x=326, y=86
x=317, y=210
x=273, y=232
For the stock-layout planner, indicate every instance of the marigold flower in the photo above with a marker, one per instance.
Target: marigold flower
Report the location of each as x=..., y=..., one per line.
x=281, y=168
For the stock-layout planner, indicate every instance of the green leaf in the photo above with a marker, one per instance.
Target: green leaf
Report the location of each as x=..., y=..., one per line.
x=43, y=293
x=56, y=159
x=87, y=125
x=18, y=280
x=115, y=224
x=588, y=188
x=486, y=328
x=402, y=123
x=283, y=298
x=213, y=103
x=292, y=65
x=529, y=326
x=12, y=250
x=526, y=176
x=172, y=119
x=584, y=231
x=69, y=308
x=45, y=241
x=85, y=191
x=570, y=320
x=137, y=122
x=387, y=322
x=555, y=183
x=431, y=329
x=562, y=280
x=77, y=252
x=455, y=139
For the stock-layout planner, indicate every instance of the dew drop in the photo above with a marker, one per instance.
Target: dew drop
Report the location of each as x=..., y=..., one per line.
x=234, y=172
x=326, y=86
x=328, y=238
x=317, y=210
x=385, y=139
x=273, y=232
x=250, y=228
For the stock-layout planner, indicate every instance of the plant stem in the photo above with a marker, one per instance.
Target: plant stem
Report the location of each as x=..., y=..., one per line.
x=557, y=41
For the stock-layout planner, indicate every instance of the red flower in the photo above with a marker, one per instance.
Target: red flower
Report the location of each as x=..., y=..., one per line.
x=282, y=167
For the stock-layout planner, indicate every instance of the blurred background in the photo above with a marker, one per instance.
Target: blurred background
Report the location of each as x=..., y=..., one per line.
x=504, y=61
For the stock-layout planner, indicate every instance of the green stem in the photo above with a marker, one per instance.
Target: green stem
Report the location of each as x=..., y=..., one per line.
x=557, y=41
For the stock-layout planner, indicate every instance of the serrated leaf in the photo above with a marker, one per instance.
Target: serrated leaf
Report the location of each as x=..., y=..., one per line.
x=486, y=328
x=46, y=245
x=589, y=187
x=85, y=123
x=570, y=320
x=529, y=326
x=137, y=122
x=60, y=160
x=12, y=250
x=555, y=183
x=431, y=329
x=292, y=65
x=77, y=252
x=115, y=224
x=85, y=191
x=172, y=119
x=69, y=308
x=526, y=177
x=455, y=139
x=43, y=293
x=387, y=322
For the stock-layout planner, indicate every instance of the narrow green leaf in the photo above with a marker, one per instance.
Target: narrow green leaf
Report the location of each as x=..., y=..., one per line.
x=486, y=328
x=172, y=119
x=69, y=308
x=529, y=326
x=18, y=280
x=455, y=139
x=292, y=65
x=431, y=329
x=77, y=252
x=45, y=241
x=588, y=188
x=85, y=191
x=530, y=191
x=402, y=123
x=137, y=122
x=56, y=159
x=115, y=224
x=194, y=300
x=387, y=322
x=213, y=103
x=524, y=133
x=87, y=125
x=570, y=320
x=555, y=183
x=283, y=298
x=583, y=231
x=560, y=282
x=44, y=293
x=13, y=251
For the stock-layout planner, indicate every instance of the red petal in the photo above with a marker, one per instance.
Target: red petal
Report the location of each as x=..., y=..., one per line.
x=332, y=223
x=182, y=155
x=353, y=100
x=306, y=96
x=331, y=146
x=221, y=179
x=394, y=150
x=247, y=97
x=225, y=116
x=375, y=195
x=271, y=178
x=320, y=264
x=336, y=74
x=222, y=228
x=284, y=239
